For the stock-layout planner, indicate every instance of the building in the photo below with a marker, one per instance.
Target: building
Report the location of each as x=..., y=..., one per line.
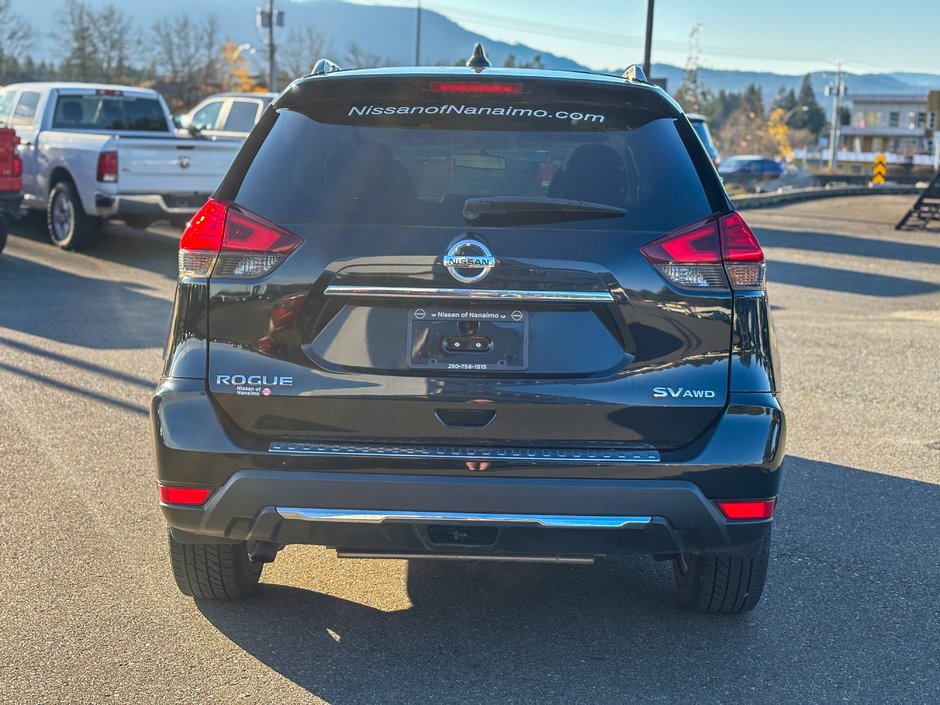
x=898, y=124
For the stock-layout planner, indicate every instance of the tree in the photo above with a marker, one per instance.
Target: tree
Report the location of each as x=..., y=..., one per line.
x=15, y=39
x=234, y=70
x=299, y=53
x=360, y=58
x=746, y=129
x=76, y=38
x=717, y=108
x=512, y=62
x=813, y=119
x=185, y=59
x=113, y=31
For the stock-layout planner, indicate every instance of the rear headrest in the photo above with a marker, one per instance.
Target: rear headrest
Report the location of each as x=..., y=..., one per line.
x=592, y=172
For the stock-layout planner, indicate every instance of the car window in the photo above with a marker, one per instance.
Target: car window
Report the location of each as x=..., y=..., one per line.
x=241, y=116
x=25, y=113
x=205, y=118
x=308, y=170
x=108, y=112
x=6, y=104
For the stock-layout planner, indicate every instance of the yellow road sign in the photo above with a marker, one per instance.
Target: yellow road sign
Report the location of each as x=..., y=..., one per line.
x=880, y=170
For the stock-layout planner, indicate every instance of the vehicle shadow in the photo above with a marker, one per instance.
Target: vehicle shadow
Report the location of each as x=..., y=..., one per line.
x=849, y=245
x=850, y=611
x=152, y=250
x=90, y=312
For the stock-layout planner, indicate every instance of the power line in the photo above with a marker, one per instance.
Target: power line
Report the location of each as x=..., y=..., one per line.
x=592, y=36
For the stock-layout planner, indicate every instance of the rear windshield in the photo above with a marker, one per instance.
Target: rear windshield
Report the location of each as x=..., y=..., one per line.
x=701, y=129
x=108, y=112
x=418, y=163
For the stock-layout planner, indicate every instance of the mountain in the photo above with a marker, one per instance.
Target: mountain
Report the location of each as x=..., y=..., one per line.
x=389, y=32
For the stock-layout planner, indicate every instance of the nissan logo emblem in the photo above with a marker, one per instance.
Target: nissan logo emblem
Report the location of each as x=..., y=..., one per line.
x=469, y=261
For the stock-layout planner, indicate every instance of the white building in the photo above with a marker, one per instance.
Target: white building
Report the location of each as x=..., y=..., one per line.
x=899, y=124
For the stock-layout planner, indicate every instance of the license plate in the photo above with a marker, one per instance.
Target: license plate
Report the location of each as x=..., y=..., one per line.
x=492, y=340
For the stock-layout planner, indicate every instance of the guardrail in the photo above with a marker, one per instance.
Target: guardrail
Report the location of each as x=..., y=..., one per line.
x=808, y=194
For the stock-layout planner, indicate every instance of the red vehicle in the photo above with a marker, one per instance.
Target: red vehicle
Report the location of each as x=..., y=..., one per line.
x=11, y=179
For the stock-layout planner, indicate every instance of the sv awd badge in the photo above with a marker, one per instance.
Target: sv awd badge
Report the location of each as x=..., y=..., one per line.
x=682, y=393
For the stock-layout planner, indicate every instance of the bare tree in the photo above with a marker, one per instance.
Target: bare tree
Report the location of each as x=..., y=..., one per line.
x=301, y=50
x=113, y=31
x=360, y=58
x=15, y=39
x=75, y=36
x=185, y=58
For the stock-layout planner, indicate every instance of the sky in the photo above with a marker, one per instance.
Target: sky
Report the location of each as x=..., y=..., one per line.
x=790, y=37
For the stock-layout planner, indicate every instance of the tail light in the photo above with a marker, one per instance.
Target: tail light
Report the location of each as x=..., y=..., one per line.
x=108, y=167
x=709, y=254
x=17, y=166
x=738, y=510
x=193, y=496
x=227, y=241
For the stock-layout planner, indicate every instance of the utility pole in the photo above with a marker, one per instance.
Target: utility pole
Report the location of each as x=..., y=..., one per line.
x=647, y=53
x=418, y=35
x=837, y=91
x=267, y=19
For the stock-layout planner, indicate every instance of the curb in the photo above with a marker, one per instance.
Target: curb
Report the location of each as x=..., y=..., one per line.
x=810, y=194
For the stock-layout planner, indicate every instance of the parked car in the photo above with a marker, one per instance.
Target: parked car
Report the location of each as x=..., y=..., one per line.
x=700, y=125
x=471, y=313
x=749, y=171
x=11, y=182
x=92, y=152
x=792, y=177
x=226, y=115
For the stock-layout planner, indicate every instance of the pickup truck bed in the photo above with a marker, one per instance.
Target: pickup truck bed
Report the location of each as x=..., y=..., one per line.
x=92, y=152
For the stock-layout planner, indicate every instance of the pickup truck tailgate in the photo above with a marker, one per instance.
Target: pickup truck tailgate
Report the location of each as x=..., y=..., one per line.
x=196, y=166
x=10, y=181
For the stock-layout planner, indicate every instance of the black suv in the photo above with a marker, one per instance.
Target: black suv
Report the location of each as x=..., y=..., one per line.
x=471, y=313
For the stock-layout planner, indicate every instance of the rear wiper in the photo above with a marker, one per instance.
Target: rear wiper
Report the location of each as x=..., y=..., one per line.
x=497, y=206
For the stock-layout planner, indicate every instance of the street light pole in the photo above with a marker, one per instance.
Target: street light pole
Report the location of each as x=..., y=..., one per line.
x=648, y=51
x=418, y=35
x=272, y=69
x=837, y=90
x=792, y=111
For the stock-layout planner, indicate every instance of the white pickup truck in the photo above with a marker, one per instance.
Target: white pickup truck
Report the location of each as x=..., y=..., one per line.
x=93, y=152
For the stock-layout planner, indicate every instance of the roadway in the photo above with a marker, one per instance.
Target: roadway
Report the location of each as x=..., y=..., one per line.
x=851, y=611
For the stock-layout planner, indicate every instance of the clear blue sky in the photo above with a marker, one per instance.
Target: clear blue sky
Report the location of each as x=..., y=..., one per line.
x=789, y=36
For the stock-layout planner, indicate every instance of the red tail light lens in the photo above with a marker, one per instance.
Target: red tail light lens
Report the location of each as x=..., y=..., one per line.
x=709, y=254
x=760, y=509
x=192, y=496
x=17, y=166
x=478, y=88
x=107, y=167
x=227, y=241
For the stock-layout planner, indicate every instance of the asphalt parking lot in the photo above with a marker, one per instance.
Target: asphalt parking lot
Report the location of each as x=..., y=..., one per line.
x=851, y=611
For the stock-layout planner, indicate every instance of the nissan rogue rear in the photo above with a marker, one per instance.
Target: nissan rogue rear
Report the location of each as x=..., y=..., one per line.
x=471, y=313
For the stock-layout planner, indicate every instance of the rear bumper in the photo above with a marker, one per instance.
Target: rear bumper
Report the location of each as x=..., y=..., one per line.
x=409, y=514
x=283, y=498
x=156, y=206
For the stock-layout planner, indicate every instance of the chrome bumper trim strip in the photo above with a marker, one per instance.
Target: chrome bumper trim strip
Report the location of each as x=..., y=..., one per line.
x=407, y=292
x=537, y=455
x=379, y=516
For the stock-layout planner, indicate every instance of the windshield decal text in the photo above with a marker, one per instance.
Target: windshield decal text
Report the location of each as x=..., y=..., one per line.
x=494, y=111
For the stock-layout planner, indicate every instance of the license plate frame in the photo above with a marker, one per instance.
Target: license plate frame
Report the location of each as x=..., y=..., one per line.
x=507, y=328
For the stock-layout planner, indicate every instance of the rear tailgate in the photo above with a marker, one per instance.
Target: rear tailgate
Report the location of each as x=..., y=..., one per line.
x=584, y=343
x=172, y=165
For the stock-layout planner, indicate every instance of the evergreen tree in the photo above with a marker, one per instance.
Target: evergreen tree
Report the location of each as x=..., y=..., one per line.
x=813, y=119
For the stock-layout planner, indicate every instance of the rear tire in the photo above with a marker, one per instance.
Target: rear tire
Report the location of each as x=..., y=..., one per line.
x=214, y=571
x=722, y=584
x=69, y=226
